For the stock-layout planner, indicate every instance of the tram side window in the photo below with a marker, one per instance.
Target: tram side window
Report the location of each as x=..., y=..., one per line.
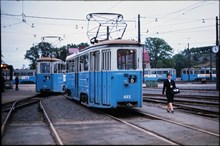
x=153, y=72
x=94, y=61
x=59, y=68
x=106, y=60
x=30, y=73
x=72, y=65
x=23, y=73
x=146, y=72
x=44, y=67
x=202, y=72
x=126, y=59
x=55, y=68
x=84, y=64
x=165, y=72
x=159, y=72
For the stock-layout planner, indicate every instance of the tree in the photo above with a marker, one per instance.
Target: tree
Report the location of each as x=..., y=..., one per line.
x=181, y=61
x=44, y=49
x=160, y=53
x=47, y=50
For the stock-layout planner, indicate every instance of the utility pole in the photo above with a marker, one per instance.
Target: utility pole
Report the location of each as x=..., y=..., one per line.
x=139, y=29
x=107, y=32
x=210, y=51
x=188, y=64
x=139, y=41
x=217, y=54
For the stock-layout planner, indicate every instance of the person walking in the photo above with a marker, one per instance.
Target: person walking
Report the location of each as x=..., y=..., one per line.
x=168, y=86
x=16, y=82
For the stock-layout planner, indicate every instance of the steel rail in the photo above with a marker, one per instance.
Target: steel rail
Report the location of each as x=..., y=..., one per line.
x=51, y=125
x=142, y=130
x=186, y=107
x=178, y=123
x=7, y=118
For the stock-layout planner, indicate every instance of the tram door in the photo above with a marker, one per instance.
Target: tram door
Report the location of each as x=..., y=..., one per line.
x=76, y=79
x=105, y=77
x=95, y=91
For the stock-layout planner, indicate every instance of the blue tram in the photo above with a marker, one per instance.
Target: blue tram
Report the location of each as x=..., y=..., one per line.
x=158, y=74
x=26, y=76
x=106, y=75
x=197, y=74
x=50, y=75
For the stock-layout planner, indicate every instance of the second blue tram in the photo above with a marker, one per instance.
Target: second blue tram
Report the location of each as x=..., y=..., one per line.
x=26, y=76
x=197, y=74
x=158, y=74
x=106, y=75
x=50, y=75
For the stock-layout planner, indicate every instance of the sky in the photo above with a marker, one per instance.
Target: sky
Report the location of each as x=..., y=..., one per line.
x=25, y=23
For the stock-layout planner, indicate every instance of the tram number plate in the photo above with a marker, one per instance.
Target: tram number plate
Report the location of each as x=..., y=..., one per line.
x=127, y=96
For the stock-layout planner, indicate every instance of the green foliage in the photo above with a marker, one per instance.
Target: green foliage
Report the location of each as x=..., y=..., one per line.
x=45, y=49
x=180, y=62
x=199, y=57
x=160, y=53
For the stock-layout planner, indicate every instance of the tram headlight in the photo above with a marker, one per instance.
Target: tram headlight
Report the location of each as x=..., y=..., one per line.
x=46, y=77
x=132, y=78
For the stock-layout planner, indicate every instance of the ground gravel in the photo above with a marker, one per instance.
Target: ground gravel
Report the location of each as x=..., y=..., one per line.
x=60, y=108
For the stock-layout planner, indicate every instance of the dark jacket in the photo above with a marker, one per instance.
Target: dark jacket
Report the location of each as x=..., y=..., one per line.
x=168, y=86
x=16, y=80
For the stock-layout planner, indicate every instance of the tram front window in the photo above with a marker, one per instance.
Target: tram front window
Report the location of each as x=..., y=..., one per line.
x=126, y=59
x=45, y=68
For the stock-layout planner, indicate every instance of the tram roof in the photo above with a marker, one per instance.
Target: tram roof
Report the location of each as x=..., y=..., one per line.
x=50, y=59
x=113, y=42
x=119, y=41
x=107, y=43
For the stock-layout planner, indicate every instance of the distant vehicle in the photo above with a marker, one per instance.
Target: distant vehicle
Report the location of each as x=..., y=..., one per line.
x=26, y=76
x=106, y=75
x=198, y=74
x=158, y=74
x=7, y=74
x=50, y=75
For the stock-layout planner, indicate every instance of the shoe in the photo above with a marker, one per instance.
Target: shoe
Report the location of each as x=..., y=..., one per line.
x=172, y=111
x=168, y=111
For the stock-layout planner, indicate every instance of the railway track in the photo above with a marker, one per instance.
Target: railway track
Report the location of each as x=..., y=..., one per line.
x=12, y=106
x=146, y=130
x=196, y=97
x=139, y=128
x=210, y=92
x=24, y=103
x=207, y=106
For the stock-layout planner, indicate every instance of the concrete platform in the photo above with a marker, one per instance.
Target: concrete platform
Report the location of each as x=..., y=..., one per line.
x=177, y=133
x=28, y=134
x=25, y=90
